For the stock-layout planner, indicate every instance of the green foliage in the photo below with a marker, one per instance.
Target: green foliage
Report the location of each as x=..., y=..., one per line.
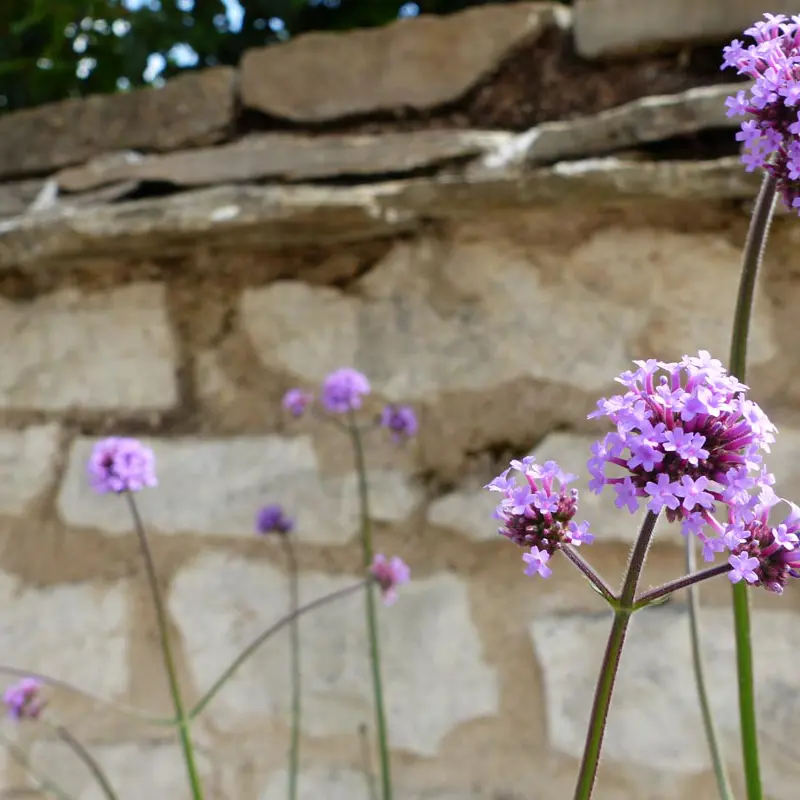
x=53, y=50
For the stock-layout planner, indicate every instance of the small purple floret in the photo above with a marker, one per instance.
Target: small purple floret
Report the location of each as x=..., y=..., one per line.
x=343, y=390
x=272, y=519
x=770, y=134
x=390, y=574
x=119, y=464
x=295, y=401
x=23, y=700
x=400, y=420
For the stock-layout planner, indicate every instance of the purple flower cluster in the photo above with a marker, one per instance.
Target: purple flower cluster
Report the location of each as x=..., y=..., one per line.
x=343, y=391
x=686, y=441
x=23, y=700
x=119, y=464
x=538, y=512
x=272, y=519
x=390, y=574
x=771, y=134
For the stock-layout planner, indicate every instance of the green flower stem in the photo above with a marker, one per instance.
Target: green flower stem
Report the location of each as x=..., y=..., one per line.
x=262, y=637
x=88, y=760
x=372, y=621
x=294, y=634
x=166, y=650
x=693, y=578
x=698, y=666
x=591, y=574
x=751, y=262
x=59, y=684
x=623, y=611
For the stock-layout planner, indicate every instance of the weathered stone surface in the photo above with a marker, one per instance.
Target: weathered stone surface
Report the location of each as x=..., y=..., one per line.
x=111, y=350
x=77, y=633
x=16, y=197
x=654, y=719
x=228, y=218
x=133, y=769
x=237, y=599
x=28, y=461
x=415, y=64
x=289, y=157
x=340, y=783
x=599, y=295
x=649, y=119
x=621, y=27
x=228, y=481
x=190, y=110
x=469, y=510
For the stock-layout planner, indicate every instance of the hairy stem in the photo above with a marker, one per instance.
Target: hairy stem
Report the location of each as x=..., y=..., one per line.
x=589, y=571
x=693, y=578
x=751, y=263
x=294, y=634
x=166, y=651
x=371, y=614
x=231, y=670
x=610, y=665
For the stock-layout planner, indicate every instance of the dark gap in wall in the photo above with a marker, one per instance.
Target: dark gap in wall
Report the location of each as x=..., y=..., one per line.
x=701, y=146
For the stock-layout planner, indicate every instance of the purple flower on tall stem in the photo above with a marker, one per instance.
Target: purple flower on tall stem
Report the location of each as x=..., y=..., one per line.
x=685, y=441
x=342, y=390
x=295, y=401
x=119, y=464
x=23, y=700
x=390, y=574
x=771, y=134
x=400, y=420
x=272, y=519
x=538, y=514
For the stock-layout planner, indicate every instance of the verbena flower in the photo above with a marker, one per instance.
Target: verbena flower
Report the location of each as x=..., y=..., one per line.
x=686, y=441
x=770, y=135
x=295, y=401
x=118, y=464
x=272, y=519
x=23, y=700
x=400, y=420
x=343, y=389
x=390, y=574
x=765, y=555
x=538, y=513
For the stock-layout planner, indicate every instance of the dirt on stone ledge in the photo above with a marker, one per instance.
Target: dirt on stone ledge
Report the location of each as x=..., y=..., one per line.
x=541, y=81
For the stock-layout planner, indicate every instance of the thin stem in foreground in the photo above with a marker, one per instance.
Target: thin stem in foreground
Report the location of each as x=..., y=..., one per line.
x=751, y=263
x=371, y=613
x=687, y=581
x=166, y=651
x=698, y=666
x=591, y=574
x=294, y=635
x=228, y=673
x=88, y=760
x=608, y=670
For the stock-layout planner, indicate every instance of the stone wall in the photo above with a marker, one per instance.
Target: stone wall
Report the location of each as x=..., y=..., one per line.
x=172, y=260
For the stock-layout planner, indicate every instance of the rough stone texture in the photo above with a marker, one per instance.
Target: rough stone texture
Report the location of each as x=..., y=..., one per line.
x=483, y=303
x=110, y=350
x=650, y=119
x=190, y=110
x=291, y=157
x=426, y=639
x=28, y=461
x=415, y=64
x=340, y=783
x=652, y=686
x=134, y=770
x=233, y=218
x=15, y=198
x=622, y=27
x=75, y=632
x=229, y=480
